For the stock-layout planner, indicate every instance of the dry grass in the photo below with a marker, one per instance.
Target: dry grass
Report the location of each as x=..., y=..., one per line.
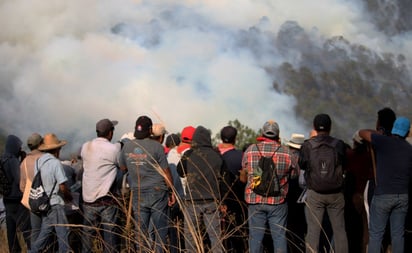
x=127, y=233
x=3, y=239
x=128, y=229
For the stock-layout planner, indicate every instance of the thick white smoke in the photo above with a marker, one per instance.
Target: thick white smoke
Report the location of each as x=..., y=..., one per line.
x=67, y=64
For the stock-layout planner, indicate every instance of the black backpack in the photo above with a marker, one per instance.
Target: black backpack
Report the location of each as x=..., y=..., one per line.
x=39, y=201
x=325, y=170
x=265, y=179
x=5, y=183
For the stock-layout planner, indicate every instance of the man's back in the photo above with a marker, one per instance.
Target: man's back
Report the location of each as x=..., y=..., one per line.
x=202, y=168
x=100, y=160
x=282, y=158
x=323, y=165
x=143, y=158
x=394, y=164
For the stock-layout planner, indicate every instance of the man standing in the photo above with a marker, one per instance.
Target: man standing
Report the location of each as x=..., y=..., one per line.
x=151, y=185
x=235, y=215
x=17, y=216
x=322, y=158
x=27, y=174
x=176, y=237
x=201, y=165
x=54, y=179
x=100, y=163
x=393, y=171
x=271, y=210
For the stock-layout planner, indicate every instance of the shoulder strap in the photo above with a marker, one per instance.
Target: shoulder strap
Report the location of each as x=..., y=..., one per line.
x=25, y=166
x=274, y=152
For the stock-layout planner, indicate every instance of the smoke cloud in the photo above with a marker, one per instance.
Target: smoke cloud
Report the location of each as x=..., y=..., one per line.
x=68, y=64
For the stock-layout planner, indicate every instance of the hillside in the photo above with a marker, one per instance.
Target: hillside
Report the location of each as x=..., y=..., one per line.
x=349, y=81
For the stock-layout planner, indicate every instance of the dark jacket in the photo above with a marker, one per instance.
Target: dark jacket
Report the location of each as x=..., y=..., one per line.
x=11, y=165
x=202, y=166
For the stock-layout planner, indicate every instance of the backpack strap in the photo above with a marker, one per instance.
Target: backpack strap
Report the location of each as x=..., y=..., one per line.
x=260, y=153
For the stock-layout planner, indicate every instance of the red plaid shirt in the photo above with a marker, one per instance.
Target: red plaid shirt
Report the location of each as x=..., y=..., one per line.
x=283, y=161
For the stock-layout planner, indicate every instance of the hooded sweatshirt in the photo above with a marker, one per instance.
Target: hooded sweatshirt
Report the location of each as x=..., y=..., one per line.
x=11, y=164
x=201, y=165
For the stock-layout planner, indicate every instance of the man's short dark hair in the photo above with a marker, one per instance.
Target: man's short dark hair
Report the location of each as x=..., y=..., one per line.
x=228, y=134
x=386, y=118
x=322, y=122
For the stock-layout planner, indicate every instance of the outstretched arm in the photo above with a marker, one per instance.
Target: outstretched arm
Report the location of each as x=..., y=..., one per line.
x=366, y=134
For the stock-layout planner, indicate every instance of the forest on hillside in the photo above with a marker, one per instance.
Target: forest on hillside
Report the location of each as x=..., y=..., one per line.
x=351, y=82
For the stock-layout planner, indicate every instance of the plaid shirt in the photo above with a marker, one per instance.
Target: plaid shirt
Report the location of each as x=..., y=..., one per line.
x=283, y=161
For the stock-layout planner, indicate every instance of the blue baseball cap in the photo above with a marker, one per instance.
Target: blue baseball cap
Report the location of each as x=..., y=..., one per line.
x=401, y=126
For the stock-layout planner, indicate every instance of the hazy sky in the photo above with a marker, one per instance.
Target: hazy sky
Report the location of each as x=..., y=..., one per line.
x=67, y=64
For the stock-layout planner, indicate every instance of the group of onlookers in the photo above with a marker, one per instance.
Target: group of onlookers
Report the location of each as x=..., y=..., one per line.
x=185, y=194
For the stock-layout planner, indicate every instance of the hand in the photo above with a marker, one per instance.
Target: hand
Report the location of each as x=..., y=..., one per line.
x=356, y=137
x=68, y=196
x=223, y=210
x=172, y=199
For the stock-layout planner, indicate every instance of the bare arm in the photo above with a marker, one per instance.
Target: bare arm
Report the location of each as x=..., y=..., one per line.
x=23, y=175
x=243, y=175
x=66, y=192
x=169, y=183
x=366, y=134
x=123, y=168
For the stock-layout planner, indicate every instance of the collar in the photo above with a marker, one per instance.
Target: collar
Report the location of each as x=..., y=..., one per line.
x=262, y=138
x=224, y=147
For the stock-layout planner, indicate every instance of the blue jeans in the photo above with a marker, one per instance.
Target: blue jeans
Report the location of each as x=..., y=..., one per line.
x=35, y=221
x=150, y=206
x=100, y=218
x=316, y=205
x=54, y=222
x=383, y=207
x=196, y=213
x=276, y=217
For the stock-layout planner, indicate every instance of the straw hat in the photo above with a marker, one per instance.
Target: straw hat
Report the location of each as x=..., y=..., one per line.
x=296, y=141
x=50, y=142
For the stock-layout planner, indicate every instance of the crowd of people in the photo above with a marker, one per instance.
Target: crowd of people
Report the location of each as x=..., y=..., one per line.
x=154, y=191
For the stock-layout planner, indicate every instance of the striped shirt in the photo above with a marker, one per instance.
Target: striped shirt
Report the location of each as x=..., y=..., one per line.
x=283, y=161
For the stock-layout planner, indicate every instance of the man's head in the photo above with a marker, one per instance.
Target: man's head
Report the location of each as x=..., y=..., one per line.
x=296, y=141
x=158, y=132
x=158, y=129
x=34, y=141
x=105, y=128
x=270, y=130
x=322, y=123
x=384, y=123
x=401, y=127
x=52, y=144
x=228, y=134
x=143, y=128
x=187, y=134
x=172, y=141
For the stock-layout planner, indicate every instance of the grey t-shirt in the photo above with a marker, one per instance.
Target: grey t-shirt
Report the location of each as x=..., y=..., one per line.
x=145, y=160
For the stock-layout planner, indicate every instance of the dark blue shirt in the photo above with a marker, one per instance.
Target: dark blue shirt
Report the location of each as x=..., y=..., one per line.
x=393, y=164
